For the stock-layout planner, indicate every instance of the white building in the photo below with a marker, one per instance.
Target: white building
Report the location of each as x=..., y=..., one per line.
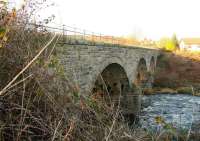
x=190, y=44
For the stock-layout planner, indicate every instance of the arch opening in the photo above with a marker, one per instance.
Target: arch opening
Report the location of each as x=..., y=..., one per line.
x=142, y=74
x=111, y=83
x=112, y=86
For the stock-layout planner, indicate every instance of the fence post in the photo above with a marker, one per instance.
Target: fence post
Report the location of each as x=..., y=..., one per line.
x=84, y=36
x=66, y=34
x=93, y=37
x=63, y=33
x=112, y=40
x=75, y=35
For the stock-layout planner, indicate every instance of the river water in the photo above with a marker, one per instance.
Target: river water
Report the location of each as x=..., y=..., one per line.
x=182, y=111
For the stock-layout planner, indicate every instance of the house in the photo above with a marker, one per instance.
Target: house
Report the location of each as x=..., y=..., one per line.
x=190, y=44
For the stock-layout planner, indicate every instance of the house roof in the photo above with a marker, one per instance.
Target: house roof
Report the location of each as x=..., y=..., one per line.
x=191, y=41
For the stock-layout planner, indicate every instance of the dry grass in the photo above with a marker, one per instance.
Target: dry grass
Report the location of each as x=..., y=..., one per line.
x=41, y=105
x=194, y=56
x=37, y=103
x=178, y=70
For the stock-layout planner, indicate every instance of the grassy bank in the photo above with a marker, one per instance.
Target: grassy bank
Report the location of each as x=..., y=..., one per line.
x=166, y=90
x=178, y=73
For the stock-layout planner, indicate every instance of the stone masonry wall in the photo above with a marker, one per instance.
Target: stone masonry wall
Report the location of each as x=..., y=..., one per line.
x=83, y=64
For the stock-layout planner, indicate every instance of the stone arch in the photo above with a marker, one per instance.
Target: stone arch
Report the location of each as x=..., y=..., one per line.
x=98, y=69
x=111, y=84
x=111, y=80
x=141, y=73
x=152, y=64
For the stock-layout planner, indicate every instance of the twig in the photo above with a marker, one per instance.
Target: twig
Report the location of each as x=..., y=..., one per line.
x=54, y=135
x=21, y=117
x=69, y=131
x=106, y=88
x=26, y=67
x=20, y=82
x=115, y=118
x=188, y=135
x=53, y=47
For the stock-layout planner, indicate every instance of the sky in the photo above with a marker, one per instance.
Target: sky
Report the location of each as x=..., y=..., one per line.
x=141, y=18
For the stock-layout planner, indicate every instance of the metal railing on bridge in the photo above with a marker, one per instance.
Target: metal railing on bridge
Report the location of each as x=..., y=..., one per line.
x=78, y=36
x=74, y=35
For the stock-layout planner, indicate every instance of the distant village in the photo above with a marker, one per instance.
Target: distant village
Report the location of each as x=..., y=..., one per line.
x=184, y=44
x=191, y=44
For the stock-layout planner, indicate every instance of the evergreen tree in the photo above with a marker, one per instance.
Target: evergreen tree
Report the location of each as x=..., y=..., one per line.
x=175, y=41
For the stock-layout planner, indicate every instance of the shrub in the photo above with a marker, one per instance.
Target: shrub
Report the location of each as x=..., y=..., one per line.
x=185, y=90
x=148, y=91
x=37, y=105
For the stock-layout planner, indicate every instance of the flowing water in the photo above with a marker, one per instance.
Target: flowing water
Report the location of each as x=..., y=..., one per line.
x=182, y=111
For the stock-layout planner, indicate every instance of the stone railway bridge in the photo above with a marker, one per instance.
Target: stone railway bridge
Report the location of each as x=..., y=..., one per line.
x=115, y=73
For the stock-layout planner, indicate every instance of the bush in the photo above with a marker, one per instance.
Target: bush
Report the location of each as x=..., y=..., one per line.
x=185, y=90
x=148, y=91
x=37, y=105
x=169, y=44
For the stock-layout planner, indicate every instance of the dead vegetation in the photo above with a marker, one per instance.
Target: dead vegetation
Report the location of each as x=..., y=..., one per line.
x=41, y=105
x=178, y=70
x=37, y=102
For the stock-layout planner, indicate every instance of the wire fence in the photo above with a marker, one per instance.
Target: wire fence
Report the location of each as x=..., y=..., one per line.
x=74, y=35
x=78, y=36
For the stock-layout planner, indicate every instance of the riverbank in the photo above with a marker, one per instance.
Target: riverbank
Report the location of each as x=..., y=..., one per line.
x=177, y=72
x=179, y=90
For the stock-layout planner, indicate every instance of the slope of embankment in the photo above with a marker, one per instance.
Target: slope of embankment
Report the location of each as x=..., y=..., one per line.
x=179, y=72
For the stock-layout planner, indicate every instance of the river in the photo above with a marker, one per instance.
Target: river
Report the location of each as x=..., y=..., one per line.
x=181, y=111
